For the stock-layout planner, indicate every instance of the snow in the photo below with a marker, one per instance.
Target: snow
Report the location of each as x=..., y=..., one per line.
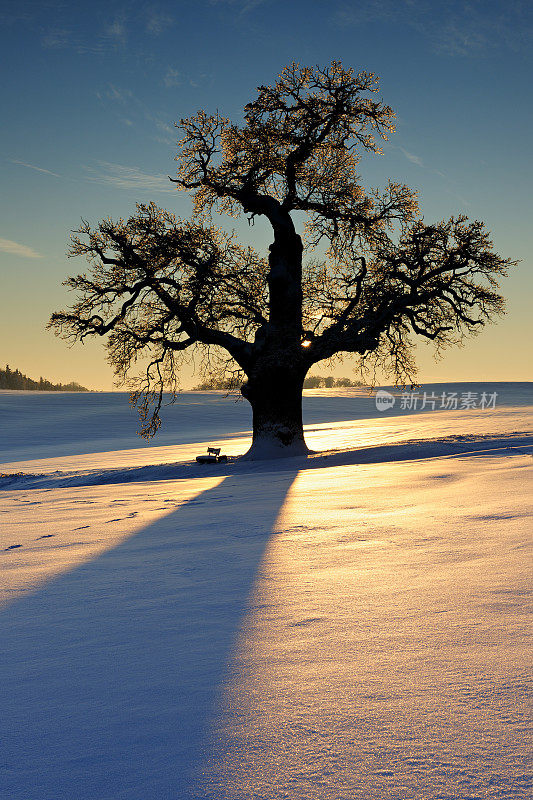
x=349, y=625
x=268, y=446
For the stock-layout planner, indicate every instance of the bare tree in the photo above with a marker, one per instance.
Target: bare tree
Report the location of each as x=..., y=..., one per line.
x=374, y=277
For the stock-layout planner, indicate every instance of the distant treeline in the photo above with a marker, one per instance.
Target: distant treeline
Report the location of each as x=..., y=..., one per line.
x=329, y=382
x=312, y=382
x=14, y=379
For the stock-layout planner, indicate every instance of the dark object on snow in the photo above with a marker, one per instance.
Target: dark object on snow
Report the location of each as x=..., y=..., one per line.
x=213, y=456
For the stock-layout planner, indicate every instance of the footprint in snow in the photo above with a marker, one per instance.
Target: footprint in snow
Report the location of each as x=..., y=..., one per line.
x=12, y=546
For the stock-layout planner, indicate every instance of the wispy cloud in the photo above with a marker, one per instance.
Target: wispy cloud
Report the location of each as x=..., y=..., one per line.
x=116, y=31
x=412, y=157
x=11, y=15
x=457, y=39
x=16, y=249
x=168, y=133
x=447, y=184
x=119, y=95
x=65, y=39
x=32, y=166
x=131, y=110
x=123, y=177
x=172, y=78
x=158, y=22
x=29, y=11
x=111, y=37
x=57, y=39
x=452, y=27
x=347, y=14
x=243, y=6
x=166, y=128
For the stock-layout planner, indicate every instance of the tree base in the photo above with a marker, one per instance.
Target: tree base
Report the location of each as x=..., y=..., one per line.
x=270, y=447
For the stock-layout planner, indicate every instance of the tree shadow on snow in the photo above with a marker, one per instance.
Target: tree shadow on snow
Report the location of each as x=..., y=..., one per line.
x=111, y=671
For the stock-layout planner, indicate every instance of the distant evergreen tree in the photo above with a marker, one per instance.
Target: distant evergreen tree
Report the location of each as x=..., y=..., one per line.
x=10, y=379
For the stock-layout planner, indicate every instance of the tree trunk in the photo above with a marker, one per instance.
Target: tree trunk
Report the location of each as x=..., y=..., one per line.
x=276, y=398
x=276, y=370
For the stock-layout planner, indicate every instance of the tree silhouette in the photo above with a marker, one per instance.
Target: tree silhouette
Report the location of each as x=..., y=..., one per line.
x=374, y=275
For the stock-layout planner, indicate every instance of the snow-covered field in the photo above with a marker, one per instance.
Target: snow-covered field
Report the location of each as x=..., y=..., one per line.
x=353, y=625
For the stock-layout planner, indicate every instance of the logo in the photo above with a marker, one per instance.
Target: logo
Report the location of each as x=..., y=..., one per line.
x=384, y=400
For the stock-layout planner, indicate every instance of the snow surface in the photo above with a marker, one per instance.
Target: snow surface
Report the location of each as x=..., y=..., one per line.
x=350, y=625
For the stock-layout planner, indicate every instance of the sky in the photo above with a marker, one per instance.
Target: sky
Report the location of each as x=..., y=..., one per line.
x=91, y=92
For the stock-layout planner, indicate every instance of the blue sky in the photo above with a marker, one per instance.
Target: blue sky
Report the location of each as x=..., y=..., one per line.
x=91, y=91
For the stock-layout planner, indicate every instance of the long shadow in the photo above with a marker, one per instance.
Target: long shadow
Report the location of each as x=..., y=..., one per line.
x=110, y=673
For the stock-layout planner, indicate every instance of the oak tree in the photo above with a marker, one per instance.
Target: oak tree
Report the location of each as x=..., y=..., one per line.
x=365, y=276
